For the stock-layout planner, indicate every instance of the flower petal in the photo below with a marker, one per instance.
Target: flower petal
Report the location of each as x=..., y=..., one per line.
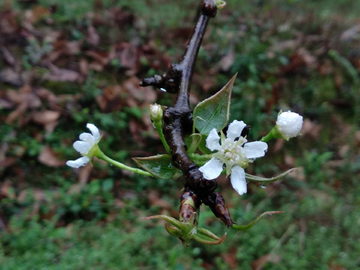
x=237, y=179
x=212, y=141
x=255, y=149
x=78, y=162
x=235, y=129
x=212, y=169
x=289, y=124
x=87, y=137
x=94, y=131
x=82, y=147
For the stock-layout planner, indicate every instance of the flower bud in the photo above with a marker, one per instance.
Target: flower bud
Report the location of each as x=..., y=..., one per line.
x=189, y=207
x=289, y=124
x=156, y=113
x=220, y=4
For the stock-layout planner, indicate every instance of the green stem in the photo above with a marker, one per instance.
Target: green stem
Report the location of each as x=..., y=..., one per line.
x=267, y=138
x=162, y=138
x=102, y=156
x=200, y=157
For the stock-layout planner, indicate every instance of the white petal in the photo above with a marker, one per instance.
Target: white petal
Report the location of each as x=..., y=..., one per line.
x=82, y=147
x=87, y=137
x=94, y=131
x=255, y=149
x=237, y=179
x=289, y=124
x=212, y=141
x=78, y=162
x=235, y=129
x=212, y=169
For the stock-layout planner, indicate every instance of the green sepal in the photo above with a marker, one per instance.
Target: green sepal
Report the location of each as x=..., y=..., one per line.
x=264, y=180
x=159, y=166
x=173, y=230
x=171, y=220
x=206, y=237
x=248, y=226
x=214, y=112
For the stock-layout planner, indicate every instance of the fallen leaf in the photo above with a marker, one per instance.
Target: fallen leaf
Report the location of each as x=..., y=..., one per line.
x=10, y=76
x=310, y=129
x=45, y=117
x=93, y=37
x=230, y=258
x=62, y=75
x=48, y=157
x=260, y=263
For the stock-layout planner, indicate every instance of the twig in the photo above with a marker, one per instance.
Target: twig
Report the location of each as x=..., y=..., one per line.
x=178, y=120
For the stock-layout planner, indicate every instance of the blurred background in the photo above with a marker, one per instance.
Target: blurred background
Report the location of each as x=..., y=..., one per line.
x=67, y=63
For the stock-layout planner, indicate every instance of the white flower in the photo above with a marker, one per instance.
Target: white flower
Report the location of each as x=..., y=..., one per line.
x=86, y=146
x=235, y=154
x=289, y=124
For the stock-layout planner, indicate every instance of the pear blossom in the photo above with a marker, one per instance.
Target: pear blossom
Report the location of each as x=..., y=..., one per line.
x=289, y=124
x=235, y=152
x=86, y=146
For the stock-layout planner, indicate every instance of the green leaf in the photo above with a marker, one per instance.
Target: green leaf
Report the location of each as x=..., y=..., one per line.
x=248, y=226
x=205, y=236
x=214, y=112
x=264, y=180
x=160, y=166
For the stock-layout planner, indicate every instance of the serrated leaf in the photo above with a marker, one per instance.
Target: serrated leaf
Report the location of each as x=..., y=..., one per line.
x=264, y=180
x=160, y=166
x=248, y=226
x=205, y=236
x=214, y=112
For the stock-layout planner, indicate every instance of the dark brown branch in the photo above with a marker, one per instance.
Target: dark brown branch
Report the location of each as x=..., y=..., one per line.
x=178, y=120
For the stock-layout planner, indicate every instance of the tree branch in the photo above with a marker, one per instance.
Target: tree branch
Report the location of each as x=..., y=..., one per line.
x=178, y=120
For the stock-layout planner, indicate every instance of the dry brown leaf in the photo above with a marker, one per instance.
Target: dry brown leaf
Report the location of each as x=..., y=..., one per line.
x=5, y=190
x=230, y=258
x=84, y=67
x=111, y=99
x=139, y=93
x=260, y=263
x=102, y=58
x=136, y=130
x=310, y=129
x=289, y=160
x=227, y=61
x=7, y=162
x=62, y=75
x=46, y=95
x=8, y=56
x=298, y=174
x=279, y=144
x=20, y=110
x=84, y=176
x=351, y=33
x=48, y=157
x=40, y=12
x=93, y=37
x=10, y=76
x=46, y=117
